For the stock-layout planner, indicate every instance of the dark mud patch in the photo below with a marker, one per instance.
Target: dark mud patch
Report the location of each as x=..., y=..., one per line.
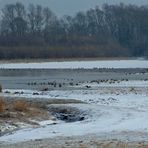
x=67, y=113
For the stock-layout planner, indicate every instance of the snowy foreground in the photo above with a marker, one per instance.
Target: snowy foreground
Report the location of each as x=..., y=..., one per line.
x=109, y=109
x=78, y=64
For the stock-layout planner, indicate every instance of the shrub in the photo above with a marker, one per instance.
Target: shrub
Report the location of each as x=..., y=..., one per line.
x=2, y=105
x=20, y=105
x=0, y=88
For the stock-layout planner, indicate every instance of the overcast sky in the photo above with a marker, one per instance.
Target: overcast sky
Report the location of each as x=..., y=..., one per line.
x=70, y=7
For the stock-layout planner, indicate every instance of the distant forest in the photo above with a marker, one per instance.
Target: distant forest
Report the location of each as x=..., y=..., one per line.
x=109, y=31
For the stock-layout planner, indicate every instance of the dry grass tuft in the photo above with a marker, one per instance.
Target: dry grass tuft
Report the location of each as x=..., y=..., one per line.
x=2, y=105
x=20, y=106
x=84, y=146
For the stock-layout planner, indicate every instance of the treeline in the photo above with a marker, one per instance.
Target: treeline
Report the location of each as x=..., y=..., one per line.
x=36, y=32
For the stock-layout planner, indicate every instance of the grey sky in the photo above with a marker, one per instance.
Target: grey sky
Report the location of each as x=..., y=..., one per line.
x=70, y=7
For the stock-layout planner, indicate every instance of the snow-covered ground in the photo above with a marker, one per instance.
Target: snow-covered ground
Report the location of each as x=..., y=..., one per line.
x=78, y=64
x=104, y=119
x=108, y=109
x=112, y=83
